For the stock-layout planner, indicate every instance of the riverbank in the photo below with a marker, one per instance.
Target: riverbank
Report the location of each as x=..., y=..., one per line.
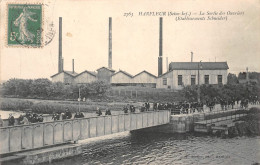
x=50, y=106
x=248, y=125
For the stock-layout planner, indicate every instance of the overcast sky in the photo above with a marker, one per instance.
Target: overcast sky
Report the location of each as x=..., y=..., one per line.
x=136, y=39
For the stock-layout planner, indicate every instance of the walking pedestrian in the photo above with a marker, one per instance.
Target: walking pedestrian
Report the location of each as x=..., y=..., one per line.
x=11, y=120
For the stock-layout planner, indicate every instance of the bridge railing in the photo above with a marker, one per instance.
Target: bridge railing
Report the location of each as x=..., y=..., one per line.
x=26, y=137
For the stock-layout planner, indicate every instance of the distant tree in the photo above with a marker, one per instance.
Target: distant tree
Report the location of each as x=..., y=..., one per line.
x=23, y=87
x=40, y=87
x=232, y=79
x=100, y=87
x=9, y=87
x=56, y=89
x=254, y=75
x=242, y=75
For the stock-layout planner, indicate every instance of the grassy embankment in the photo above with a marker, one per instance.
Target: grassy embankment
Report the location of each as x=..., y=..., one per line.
x=114, y=99
x=50, y=106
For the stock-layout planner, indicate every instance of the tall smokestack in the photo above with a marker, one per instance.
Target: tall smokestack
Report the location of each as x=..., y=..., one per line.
x=73, y=66
x=160, y=60
x=62, y=64
x=159, y=66
x=191, y=57
x=60, y=68
x=110, y=44
x=167, y=66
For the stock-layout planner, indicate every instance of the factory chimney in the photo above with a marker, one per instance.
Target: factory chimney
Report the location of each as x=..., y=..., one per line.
x=73, y=66
x=160, y=60
x=110, y=44
x=191, y=57
x=60, y=64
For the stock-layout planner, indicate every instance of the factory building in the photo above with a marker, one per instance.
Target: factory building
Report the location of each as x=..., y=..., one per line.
x=67, y=77
x=104, y=74
x=182, y=74
x=121, y=78
x=85, y=77
x=178, y=74
x=144, y=78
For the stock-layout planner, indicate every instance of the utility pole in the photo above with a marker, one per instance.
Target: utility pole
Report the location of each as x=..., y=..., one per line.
x=199, y=65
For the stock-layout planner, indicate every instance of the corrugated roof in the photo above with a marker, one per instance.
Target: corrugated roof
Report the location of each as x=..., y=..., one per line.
x=129, y=75
x=194, y=66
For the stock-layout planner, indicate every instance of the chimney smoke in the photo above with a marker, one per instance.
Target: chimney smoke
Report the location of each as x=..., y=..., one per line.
x=60, y=67
x=110, y=44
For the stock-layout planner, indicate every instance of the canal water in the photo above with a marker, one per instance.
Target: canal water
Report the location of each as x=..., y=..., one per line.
x=5, y=114
x=160, y=148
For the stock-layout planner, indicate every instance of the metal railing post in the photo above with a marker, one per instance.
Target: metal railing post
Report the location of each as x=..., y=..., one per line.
x=53, y=135
x=104, y=125
x=32, y=136
x=43, y=134
x=22, y=137
x=63, y=131
x=89, y=128
x=9, y=140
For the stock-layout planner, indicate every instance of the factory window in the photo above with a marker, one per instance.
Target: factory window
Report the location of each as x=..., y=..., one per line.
x=219, y=79
x=192, y=80
x=179, y=79
x=164, y=81
x=206, y=79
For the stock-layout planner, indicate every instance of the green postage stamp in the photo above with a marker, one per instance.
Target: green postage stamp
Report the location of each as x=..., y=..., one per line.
x=25, y=25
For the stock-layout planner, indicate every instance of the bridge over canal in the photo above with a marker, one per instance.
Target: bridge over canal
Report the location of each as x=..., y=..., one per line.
x=38, y=135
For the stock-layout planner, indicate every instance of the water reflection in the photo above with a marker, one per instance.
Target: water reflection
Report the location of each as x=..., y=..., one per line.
x=159, y=148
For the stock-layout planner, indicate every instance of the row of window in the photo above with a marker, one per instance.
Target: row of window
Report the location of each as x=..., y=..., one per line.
x=193, y=80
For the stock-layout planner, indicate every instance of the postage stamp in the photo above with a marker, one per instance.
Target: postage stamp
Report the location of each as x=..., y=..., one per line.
x=25, y=25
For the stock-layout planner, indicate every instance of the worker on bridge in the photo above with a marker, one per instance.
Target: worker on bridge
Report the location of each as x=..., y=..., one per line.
x=108, y=112
x=99, y=113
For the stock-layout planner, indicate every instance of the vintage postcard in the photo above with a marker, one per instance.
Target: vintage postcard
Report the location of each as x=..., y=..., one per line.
x=130, y=82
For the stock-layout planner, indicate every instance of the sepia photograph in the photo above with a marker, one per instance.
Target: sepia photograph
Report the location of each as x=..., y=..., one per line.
x=173, y=82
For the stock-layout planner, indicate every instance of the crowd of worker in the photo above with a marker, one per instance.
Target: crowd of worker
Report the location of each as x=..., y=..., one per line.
x=175, y=107
x=192, y=107
x=29, y=118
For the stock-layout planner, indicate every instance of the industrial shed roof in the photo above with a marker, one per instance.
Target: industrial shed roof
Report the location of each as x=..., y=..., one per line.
x=194, y=66
x=106, y=68
x=89, y=72
x=129, y=75
x=66, y=72
x=146, y=73
x=165, y=73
